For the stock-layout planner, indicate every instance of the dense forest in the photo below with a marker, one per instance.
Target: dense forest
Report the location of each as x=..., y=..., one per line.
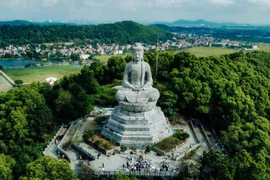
x=126, y=32
x=229, y=92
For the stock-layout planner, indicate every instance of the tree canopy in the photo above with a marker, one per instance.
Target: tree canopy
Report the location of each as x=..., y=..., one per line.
x=229, y=92
x=48, y=168
x=126, y=32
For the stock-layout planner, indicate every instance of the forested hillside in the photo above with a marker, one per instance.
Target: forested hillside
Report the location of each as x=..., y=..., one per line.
x=126, y=32
x=230, y=93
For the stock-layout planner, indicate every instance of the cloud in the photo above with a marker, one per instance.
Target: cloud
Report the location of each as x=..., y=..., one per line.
x=222, y=2
x=262, y=4
x=117, y=10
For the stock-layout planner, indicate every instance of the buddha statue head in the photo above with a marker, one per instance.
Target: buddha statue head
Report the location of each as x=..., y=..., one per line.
x=137, y=51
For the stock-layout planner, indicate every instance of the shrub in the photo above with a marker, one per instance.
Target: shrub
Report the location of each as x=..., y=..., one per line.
x=123, y=148
x=148, y=148
x=107, y=145
x=98, y=142
x=185, y=135
x=179, y=134
x=91, y=133
x=18, y=82
x=86, y=137
x=88, y=134
x=134, y=149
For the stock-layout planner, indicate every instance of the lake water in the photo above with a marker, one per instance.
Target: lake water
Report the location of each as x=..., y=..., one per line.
x=16, y=62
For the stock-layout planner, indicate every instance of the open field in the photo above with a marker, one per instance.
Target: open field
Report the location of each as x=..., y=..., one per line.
x=41, y=73
x=198, y=51
x=210, y=51
x=263, y=46
x=105, y=58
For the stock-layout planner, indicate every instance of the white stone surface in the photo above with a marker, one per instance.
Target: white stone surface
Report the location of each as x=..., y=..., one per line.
x=137, y=129
x=137, y=121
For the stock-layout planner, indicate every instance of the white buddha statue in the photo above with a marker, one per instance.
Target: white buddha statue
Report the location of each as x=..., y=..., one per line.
x=137, y=82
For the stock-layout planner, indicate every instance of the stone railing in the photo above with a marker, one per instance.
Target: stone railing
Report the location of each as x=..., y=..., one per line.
x=7, y=78
x=103, y=151
x=157, y=150
x=202, y=129
x=53, y=140
x=177, y=127
x=205, y=135
x=84, y=151
x=59, y=147
x=139, y=173
x=193, y=130
x=177, y=156
x=180, y=156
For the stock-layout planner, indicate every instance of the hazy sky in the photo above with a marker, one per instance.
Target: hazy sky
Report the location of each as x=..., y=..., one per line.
x=240, y=11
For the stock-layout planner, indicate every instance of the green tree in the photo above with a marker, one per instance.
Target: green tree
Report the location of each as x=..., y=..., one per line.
x=48, y=168
x=75, y=57
x=86, y=173
x=63, y=101
x=6, y=166
x=116, y=66
x=18, y=82
x=168, y=102
x=121, y=176
x=216, y=166
x=87, y=80
x=189, y=170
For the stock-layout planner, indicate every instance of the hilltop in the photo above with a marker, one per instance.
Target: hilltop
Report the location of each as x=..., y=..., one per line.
x=15, y=22
x=125, y=32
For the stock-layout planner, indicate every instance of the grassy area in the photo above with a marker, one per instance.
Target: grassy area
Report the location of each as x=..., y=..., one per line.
x=168, y=143
x=105, y=58
x=263, y=46
x=41, y=73
x=216, y=51
x=210, y=51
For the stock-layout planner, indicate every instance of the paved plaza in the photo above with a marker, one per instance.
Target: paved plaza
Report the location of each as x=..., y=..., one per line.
x=119, y=161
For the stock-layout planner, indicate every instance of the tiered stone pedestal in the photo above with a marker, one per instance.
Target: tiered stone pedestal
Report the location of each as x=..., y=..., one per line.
x=133, y=126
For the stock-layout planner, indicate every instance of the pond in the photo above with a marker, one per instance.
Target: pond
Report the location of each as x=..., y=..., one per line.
x=12, y=63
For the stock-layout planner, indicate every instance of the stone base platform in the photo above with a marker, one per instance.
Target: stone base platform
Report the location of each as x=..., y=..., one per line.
x=137, y=129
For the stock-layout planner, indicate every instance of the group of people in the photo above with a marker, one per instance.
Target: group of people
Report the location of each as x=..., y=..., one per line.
x=137, y=163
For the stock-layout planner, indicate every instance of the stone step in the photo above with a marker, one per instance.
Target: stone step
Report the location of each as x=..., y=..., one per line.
x=108, y=133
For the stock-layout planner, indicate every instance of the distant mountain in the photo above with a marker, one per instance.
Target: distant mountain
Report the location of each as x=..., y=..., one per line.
x=182, y=29
x=15, y=22
x=199, y=23
x=46, y=22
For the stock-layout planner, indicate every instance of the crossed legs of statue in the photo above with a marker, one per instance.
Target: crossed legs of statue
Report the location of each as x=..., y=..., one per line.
x=143, y=96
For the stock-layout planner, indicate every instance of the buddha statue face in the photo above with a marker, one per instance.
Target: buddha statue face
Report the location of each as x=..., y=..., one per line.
x=137, y=55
